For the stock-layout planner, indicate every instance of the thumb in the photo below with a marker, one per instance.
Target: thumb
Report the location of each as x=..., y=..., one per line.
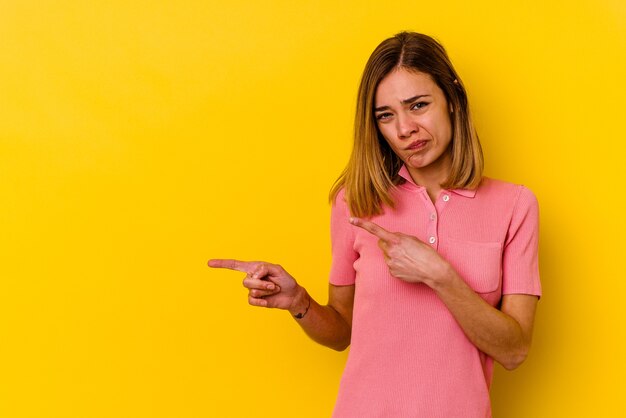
x=274, y=273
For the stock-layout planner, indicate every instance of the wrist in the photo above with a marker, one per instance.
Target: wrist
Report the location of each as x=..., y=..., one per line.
x=300, y=304
x=445, y=278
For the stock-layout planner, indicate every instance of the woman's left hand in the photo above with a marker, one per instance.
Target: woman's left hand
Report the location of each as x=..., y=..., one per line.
x=408, y=258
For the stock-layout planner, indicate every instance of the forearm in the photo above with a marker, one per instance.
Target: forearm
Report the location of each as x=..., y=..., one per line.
x=492, y=331
x=322, y=323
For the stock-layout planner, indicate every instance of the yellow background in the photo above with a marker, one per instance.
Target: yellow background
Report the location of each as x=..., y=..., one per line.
x=140, y=138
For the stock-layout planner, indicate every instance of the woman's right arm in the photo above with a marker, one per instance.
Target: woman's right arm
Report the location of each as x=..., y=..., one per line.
x=331, y=324
x=270, y=286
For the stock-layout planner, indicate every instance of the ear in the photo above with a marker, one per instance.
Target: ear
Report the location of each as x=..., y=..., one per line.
x=451, y=108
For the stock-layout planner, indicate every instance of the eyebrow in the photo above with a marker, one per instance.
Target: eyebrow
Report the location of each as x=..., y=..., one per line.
x=405, y=101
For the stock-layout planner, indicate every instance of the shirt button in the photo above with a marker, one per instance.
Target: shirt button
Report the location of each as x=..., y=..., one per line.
x=433, y=216
x=432, y=240
x=446, y=197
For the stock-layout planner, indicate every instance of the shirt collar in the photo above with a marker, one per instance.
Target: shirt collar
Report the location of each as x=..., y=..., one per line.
x=404, y=173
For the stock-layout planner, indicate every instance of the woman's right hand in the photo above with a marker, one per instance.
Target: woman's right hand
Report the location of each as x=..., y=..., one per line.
x=269, y=285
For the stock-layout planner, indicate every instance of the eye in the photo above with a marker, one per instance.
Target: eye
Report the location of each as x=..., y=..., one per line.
x=419, y=105
x=383, y=116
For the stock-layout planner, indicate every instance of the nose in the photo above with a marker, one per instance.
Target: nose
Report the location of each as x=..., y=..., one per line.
x=406, y=126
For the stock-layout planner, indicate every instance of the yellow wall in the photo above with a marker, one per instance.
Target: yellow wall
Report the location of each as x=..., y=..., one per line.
x=138, y=139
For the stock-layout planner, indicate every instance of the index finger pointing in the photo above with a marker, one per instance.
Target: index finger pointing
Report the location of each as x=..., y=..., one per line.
x=375, y=229
x=244, y=266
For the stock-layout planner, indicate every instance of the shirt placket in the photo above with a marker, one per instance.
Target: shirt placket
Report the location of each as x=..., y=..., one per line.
x=434, y=213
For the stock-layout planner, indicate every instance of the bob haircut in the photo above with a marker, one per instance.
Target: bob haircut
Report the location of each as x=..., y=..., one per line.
x=372, y=171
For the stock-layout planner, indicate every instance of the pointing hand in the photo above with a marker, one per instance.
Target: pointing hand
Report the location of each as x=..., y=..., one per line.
x=407, y=257
x=269, y=285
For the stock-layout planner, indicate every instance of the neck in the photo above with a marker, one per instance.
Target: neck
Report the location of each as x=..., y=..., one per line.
x=431, y=176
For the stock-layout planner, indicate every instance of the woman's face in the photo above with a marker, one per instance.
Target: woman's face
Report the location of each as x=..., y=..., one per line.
x=413, y=115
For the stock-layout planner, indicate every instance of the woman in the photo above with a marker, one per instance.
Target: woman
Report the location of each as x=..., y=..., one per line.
x=426, y=309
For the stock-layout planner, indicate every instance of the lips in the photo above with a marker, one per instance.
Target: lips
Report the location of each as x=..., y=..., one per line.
x=419, y=144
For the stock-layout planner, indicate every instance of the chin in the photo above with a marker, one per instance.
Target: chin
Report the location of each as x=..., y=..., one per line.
x=420, y=162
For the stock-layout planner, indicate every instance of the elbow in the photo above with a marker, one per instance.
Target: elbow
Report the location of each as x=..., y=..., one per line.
x=515, y=359
x=340, y=348
x=512, y=364
x=341, y=345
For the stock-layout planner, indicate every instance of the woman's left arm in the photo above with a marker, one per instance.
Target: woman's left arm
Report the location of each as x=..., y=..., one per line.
x=503, y=334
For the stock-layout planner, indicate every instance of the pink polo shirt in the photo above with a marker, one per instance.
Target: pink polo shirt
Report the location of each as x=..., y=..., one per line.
x=408, y=355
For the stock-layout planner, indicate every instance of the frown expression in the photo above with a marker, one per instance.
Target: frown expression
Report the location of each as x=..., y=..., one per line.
x=413, y=115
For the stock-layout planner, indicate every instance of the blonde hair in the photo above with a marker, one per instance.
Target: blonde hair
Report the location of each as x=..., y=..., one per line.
x=372, y=171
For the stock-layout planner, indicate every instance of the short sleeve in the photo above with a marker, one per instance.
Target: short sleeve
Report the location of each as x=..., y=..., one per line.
x=520, y=265
x=342, y=243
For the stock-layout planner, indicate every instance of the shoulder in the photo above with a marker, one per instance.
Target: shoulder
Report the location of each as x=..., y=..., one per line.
x=508, y=200
x=515, y=203
x=340, y=205
x=500, y=189
x=340, y=199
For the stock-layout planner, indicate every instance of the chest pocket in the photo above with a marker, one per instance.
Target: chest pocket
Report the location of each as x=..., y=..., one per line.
x=478, y=263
